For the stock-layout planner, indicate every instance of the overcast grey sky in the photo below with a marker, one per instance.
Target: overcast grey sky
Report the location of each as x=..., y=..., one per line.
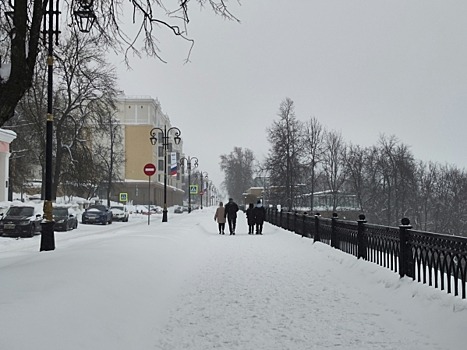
x=362, y=67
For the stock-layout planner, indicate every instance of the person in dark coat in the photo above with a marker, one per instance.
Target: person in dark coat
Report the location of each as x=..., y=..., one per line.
x=260, y=214
x=250, y=217
x=231, y=209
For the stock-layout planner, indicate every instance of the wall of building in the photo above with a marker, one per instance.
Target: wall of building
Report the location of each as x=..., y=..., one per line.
x=138, y=116
x=6, y=137
x=138, y=151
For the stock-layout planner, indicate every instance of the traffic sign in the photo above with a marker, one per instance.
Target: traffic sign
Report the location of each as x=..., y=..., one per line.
x=149, y=169
x=123, y=197
x=193, y=189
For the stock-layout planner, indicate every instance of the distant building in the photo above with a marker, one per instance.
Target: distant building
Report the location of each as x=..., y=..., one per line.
x=6, y=137
x=138, y=115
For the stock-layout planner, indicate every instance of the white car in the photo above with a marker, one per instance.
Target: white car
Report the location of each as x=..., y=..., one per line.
x=120, y=213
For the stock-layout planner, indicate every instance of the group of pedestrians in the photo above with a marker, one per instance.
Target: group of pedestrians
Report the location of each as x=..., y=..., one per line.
x=228, y=213
x=255, y=217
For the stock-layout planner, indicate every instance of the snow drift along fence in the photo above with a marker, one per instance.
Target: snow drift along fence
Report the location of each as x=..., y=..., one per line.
x=435, y=259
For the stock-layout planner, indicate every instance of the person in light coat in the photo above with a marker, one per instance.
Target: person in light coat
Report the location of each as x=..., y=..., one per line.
x=219, y=216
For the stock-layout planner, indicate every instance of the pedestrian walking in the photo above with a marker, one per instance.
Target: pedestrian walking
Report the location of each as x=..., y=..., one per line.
x=250, y=217
x=219, y=216
x=231, y=209
x=260, y=214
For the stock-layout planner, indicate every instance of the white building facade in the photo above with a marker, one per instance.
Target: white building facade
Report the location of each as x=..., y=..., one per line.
x=6, y=137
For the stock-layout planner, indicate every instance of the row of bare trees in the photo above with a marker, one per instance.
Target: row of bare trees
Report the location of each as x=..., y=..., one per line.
x=386, y=180
x=87, y=137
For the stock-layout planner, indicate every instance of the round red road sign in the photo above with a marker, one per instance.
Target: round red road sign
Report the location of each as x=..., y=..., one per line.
x=149, y=169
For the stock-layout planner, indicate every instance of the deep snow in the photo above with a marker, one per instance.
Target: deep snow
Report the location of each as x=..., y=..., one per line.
x=180, y=285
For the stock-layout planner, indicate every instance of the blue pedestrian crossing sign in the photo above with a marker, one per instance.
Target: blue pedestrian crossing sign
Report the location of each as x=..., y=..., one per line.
x=123, y=197
x=193, y=189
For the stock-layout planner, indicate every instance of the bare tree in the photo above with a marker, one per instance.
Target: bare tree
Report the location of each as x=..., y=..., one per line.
x=427, y=175
x=109, y=153
x=313, y=149
x=21, y=39
x=355, y=162
x=85, y=94
x=284, y=159
x=238, y=169
x=396, y=167
x=334, y=164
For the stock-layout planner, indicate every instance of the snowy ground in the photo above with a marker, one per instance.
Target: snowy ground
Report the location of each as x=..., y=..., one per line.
x=180, y=285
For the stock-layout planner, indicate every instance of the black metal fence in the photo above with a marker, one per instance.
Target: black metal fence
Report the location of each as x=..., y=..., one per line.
x=435, y=259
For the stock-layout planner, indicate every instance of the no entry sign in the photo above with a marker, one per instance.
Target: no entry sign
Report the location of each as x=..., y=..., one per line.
x=149, y=169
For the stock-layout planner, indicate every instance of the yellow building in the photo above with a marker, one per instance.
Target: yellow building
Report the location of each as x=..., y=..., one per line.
x=138, y=115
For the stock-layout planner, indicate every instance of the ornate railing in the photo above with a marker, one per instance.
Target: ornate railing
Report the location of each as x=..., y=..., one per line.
x=435, y=259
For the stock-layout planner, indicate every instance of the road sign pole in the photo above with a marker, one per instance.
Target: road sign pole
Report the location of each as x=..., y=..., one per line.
x=149, y=170
x=149, y=199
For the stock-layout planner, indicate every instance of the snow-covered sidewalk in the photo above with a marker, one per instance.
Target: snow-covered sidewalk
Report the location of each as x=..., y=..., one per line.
x=180, y=285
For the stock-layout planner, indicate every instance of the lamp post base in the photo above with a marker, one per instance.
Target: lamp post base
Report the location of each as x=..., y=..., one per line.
x=164, y=215
x=47, y=236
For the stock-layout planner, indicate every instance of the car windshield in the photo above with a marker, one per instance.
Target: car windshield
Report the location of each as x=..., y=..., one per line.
x=118, y=208
x=21, y=211
x=60, y=212
x=98, y=207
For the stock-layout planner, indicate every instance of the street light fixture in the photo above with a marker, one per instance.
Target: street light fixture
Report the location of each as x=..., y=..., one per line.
x=165, y=143
x=182, y=164
x=51, y=29
x=84, y=15
x=204, y=175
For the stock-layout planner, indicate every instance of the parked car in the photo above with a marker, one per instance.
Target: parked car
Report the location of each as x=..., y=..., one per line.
x=21, y=221
x=120, y=213
x=65, y=219
x=178, y=210
x=156, y=209
x=3, y=210
x=97, y=214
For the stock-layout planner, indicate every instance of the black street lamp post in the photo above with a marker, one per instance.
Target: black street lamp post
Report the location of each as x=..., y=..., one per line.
x=165, y=144
x=204, y=185
x=51, y=30
x=188, y=162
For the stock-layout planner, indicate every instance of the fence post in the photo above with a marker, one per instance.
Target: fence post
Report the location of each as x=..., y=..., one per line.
x=316, y=238
x=334, y=236
x=406, y=267
x=294, y=227
x=304, y=225
x=361, y=239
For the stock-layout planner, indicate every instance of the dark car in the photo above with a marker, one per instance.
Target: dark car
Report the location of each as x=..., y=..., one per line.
x=97, y=214
x=64, y=219
x=21, y=221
